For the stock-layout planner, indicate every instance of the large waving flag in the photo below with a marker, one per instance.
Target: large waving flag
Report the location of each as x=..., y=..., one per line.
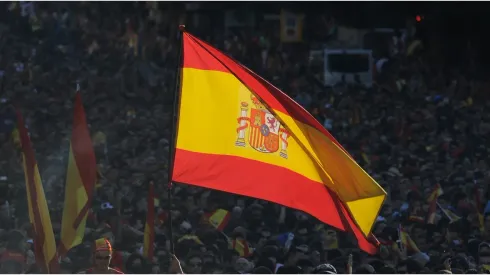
x=149, y=237
x=238, y=133
x=45, y=245
x=81, y=176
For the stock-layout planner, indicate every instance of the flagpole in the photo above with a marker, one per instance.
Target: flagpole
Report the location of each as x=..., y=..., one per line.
x=172, y=141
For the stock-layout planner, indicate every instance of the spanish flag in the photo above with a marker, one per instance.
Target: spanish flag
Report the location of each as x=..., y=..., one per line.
x=242, y=247
x=407, y=242
x=478, y=207
x=133, y=42
x=149, y=237
x=219, y=219
x=44, y=241
x=132, y=39
x=432, y=200
x=291, y=27
x=237, y=133
x=81, y=176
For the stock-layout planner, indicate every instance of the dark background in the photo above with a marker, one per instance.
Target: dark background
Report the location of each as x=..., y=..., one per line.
x=453, y=24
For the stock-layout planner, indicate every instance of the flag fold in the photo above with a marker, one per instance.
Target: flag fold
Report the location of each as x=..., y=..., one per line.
x=81, y=176
x=44, y=242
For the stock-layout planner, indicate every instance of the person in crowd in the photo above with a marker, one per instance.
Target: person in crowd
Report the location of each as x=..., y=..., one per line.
x=102, y=256
x=424, y=125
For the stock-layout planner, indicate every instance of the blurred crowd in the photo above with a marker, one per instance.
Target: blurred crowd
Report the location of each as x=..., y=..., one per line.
x=423, y=125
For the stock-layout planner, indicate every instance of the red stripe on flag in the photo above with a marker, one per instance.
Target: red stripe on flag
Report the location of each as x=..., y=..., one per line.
x=83, y=154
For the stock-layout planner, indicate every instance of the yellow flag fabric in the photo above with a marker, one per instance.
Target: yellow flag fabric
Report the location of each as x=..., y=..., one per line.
x=81, y=177
x=44, y=242
x=250, y=130
x=219, y=219
x=291, y=26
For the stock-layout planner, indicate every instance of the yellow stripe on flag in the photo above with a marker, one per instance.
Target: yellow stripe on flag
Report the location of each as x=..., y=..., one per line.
x=237, y=133
x=218, y=122
x=81, y=176
x=45, y=245
x=219, y=219
x=75, y=199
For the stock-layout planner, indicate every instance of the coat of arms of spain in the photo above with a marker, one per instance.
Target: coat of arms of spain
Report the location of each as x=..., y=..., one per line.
x=260, y=129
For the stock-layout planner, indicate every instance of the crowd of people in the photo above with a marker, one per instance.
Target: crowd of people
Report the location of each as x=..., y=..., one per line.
x=421, y=126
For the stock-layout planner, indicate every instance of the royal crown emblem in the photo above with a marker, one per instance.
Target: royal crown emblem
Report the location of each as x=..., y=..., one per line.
x=260, y=129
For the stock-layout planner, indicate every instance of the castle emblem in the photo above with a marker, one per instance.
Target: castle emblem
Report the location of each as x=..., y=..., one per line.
x=260, y=129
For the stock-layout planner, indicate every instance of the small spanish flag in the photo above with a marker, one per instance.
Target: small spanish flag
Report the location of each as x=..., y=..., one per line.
x=133, y=39
x=291, y=26
x=242, y=247
x=407, y=241
x=149, y=237
x=478, y=207
x=219, y=219
x=436, y=193
x=432, y=200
